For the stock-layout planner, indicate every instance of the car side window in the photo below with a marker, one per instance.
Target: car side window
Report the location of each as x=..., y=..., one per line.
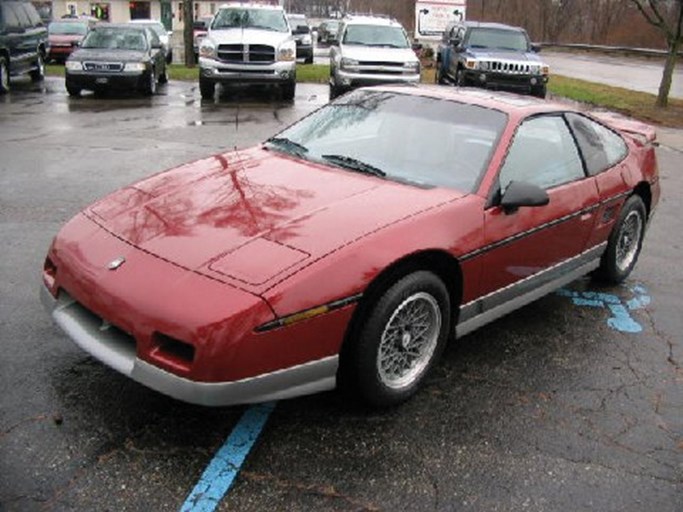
x=601, y=147
x=543, y=152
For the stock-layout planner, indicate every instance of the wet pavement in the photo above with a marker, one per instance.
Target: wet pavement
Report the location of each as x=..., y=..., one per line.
x=574, y=402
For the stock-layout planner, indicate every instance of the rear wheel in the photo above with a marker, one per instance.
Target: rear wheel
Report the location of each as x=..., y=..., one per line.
x=402, y=336
x=625, y=242
x=38, y=74
x=206, y=88
x=4, y=76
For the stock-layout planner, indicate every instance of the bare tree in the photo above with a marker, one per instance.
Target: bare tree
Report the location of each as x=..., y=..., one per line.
x=188, y=40
x=667, y=16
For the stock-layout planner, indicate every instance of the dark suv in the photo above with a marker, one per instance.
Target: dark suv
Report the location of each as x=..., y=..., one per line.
x=491, y=55
x=23, y=42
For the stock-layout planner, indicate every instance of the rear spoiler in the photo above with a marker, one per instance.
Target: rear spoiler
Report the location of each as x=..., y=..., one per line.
x=645, y=133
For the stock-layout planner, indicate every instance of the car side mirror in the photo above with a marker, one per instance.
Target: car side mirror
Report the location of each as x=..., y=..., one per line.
x=455, y=42
x=157, y=46
x=536, y=48
x=334, y=42
x=522, y=193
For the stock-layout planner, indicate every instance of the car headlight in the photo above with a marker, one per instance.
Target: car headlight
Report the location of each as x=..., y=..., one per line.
x=348, y=63
x=74, y=65
x=411, y=67
x=484, y=66
x=134, y=66
x=545, y=69
x=207, y=49
x=306, y=40
x=286, y=54
x=471, y=64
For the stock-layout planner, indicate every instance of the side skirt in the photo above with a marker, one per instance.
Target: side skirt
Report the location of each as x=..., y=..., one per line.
x=480, y=312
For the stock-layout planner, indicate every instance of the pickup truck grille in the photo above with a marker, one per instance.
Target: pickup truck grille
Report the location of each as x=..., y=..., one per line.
x=369, y=67
x=511, y=68
x=106, y=67
x=246, y=53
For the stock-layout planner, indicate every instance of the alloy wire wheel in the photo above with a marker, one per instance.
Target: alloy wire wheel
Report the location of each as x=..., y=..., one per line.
x=625, y=242
x=38, y=74
x=409, y=340
x=402, y=334
x=4, y=76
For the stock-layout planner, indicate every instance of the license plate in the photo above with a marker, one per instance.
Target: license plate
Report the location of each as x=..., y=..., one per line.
x=101, y=80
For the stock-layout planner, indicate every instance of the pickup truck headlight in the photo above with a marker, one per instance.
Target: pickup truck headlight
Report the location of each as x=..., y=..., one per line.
x=348, y=63
x=286, y=54
x=134, y=66
x=411, y=67
x=74, y=65
x=207, y=49
x=545, y=69
x=471, y=63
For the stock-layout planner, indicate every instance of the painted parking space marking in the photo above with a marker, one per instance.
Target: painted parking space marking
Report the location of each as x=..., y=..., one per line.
x=225, y=465
x=621, y=318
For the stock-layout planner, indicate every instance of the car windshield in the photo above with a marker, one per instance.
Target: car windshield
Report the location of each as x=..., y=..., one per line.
x=299, y=25
x=495, y=38
x=376, y=35
x=266, y=19
x=422, y=141
x=115, y=39
x=67, y=28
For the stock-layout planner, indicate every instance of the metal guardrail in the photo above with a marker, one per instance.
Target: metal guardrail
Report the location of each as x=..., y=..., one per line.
x=648, y=52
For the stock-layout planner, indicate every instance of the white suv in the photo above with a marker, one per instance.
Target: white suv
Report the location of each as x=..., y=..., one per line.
x=371, y=50
x=248, y=44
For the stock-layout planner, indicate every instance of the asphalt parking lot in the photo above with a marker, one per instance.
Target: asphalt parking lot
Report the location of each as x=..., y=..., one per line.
x=574, y=402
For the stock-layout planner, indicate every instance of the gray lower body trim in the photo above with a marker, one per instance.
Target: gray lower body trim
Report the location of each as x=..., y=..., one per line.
x=115, y=349
x=480, y=312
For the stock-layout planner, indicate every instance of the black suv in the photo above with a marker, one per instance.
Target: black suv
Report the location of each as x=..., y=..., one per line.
x=23, y=42
x=490, y=55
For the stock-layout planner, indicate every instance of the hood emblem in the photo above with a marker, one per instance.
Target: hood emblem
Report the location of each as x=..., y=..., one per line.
x=116, y=263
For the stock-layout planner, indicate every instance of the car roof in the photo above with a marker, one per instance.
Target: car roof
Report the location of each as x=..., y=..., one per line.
x=121, y=26
x=146, y=22
x=366, y=19
x=483, y=24
x=249, y=5
x=513, y=104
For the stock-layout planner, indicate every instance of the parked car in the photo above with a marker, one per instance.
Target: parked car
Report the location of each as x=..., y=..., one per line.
x=303, y=37
x=126, y=57
x=327, y=31
x=350, y=247
x=493, y=56
x=163, y=35
x=23, y=43
x=199, y=30
x=248, y=44
x=65, y=35
x=371, y=50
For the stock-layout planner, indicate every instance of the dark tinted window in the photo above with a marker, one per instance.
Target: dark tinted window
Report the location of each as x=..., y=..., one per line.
x=543, y=152
x=600, y=146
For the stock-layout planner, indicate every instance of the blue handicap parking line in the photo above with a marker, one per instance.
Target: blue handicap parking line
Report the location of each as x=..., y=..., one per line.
x=621, y=318
x=225, y=465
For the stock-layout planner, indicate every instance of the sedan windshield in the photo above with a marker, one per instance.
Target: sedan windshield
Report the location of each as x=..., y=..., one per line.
x=115, y=39
x=264, y=19
x=418, y=140
x=495, y=38
x=63, y=28
x=374, y=35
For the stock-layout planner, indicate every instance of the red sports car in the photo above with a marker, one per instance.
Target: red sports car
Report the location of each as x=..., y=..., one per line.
x=353, y=245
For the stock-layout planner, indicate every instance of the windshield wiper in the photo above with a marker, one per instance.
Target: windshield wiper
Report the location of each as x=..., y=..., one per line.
x=288, y=145
x=354, y=164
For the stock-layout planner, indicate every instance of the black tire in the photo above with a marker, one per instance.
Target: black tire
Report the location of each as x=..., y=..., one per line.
x=163, y=76
x=412, y=314
x=73, y=91
x=288, y=90
x=334, y=92
x=309, y=59
x=206, y=88
x=624, y=243
x=149, y=88
x=539, y=92
x=4, y=76
x=38, y=74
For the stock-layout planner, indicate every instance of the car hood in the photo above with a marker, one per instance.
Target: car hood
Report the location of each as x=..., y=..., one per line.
x=108, y=55
x=379, y=54
x=483, y=53
x=249, y=36
x=251, y=216
x=64, y=38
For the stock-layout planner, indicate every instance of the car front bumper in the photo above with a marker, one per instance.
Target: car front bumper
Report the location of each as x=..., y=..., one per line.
x=275, y=73
x=114, y=348
x=349, y=80
x=125, y=80
x=506, y=82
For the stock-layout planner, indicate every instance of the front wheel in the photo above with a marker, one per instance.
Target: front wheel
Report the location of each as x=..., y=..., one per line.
x=150, y=86
x=38, y=74
x=73, y=91
x=288, y=91
x=206, y=88
x=163, y=76
x=402, y=336
x=4, y=76
x=625, y=242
